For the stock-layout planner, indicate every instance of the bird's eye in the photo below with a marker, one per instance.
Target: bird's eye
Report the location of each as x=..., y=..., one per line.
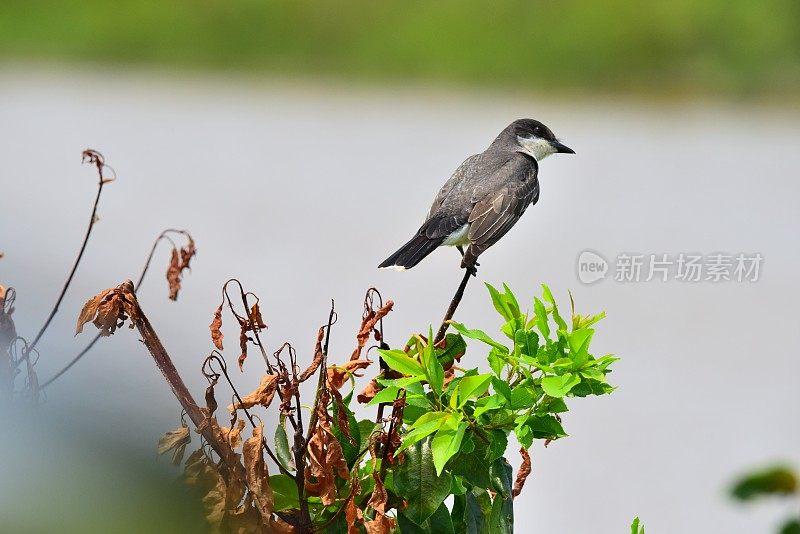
x=538, y=131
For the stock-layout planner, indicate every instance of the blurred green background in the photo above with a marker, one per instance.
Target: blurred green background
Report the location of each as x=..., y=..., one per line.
x=726, y=48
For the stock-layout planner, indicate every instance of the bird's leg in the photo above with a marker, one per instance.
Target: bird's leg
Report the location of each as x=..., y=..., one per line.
x=470, y=268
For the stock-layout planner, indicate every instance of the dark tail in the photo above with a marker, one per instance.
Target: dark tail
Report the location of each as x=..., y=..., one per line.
x=412, y=252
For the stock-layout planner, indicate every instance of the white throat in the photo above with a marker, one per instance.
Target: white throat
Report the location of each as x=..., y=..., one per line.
x=535, y=146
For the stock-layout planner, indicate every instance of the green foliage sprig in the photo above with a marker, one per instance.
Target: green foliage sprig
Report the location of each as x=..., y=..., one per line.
x=456, y=422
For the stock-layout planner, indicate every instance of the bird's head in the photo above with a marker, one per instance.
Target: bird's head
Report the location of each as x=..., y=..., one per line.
x=535, y=139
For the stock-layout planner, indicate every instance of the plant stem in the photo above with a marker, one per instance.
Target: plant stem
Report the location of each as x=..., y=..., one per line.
x=97, y=337
x=92, y=219
x=469, y=273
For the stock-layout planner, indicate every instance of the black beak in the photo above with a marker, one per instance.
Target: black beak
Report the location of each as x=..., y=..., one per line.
x=562, y=148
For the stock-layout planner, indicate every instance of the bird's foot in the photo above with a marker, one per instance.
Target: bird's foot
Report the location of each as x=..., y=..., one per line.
x=472, y=269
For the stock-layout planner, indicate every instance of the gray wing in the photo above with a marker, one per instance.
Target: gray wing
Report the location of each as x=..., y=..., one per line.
x=461, y=173
x=495, y=213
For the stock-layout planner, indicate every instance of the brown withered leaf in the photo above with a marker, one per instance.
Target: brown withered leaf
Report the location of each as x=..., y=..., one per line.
x=369, y=392
x=176, y=441
x=315, y=363
x=325, y=461
x=380, y=525
x=203, y=474
x=233, y=434
x=214, y=504
x=522, y=474
x=262, y=395
x=256, y=321
x=174, y=274
x=257, y=473
x=339, y=374
x=215, y=327
x=179, y=262
x=353, y=513
x=245, y=520
x=341, y=416
x=368, y=323
x=279, y=526
x=243, y=339
x=109, y=309
x=187, y=253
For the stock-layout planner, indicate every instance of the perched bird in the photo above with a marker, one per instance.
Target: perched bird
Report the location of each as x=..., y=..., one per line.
x=485, y=197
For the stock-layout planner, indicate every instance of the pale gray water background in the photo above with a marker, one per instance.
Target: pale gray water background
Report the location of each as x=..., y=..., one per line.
x=301, y=190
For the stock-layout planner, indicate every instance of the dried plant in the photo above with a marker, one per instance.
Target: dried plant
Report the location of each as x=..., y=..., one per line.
x=445, y=433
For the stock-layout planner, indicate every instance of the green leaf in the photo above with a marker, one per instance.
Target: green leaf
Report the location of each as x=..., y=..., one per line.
x=497, y=448
x=426, y=425
x=284, y=490
x=416, y=480
x=472, y=386
x=477, y=510
x=480, y=335
x=388, y=394
x=433, y=369
x=505, y=303
x=777, y=480
x=440, y=521
x=558, y=386
x=524, y=436
x=455, y=346
x=497, y=360
x=501, y=387
x=487, y=404
x=402, y=362
x=282, y=448
x=636, y=528
x=522, y=396
x=501, y=520
x=401, y=383
x=541, y=318
x=545, y=427
x=446, y=444
x=473, y=465
x=548, y=296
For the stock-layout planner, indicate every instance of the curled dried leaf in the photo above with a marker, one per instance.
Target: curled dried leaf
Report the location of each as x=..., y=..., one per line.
x=369, y=392
x=305, y=375
x=176, y=441
x=179, y=262
x=203, y=474
x=262, y=395
x=110, y=309
x=522, y=474
x=339, y=374
x=243, y=339
x=368, y=323
x=174, y=275
x=233, y=434
x=325, y=462
x=215, y=327
x=257, y=473
x=187, y=253
x=256, y=321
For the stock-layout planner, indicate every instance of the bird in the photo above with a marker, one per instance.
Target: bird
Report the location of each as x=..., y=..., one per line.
x=484, y=198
